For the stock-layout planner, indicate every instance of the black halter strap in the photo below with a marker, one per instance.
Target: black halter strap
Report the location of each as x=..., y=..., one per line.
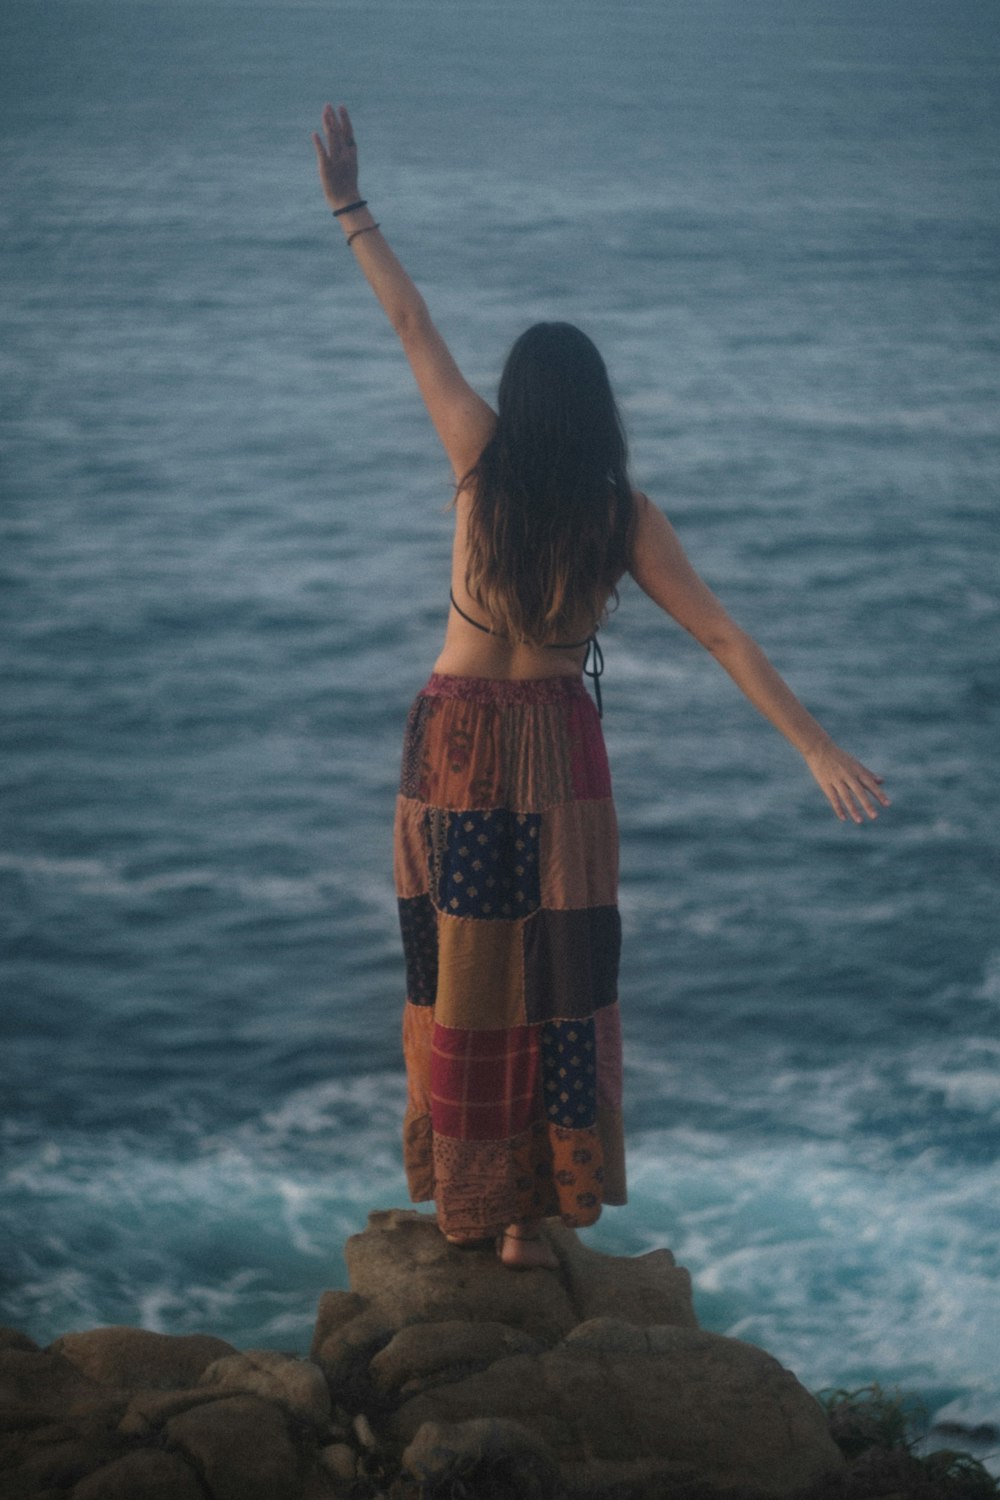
x=593, y=662
x=594, y=671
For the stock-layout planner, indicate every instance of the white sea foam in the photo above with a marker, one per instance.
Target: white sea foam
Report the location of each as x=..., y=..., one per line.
x=239, y=1238
x=989, y=989
x=973, y=1088
x=845, y=1262
x=317, y=892
x=846, y=1271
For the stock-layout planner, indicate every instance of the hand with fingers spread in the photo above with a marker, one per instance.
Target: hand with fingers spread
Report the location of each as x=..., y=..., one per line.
x=337, y=158
x=849, y=787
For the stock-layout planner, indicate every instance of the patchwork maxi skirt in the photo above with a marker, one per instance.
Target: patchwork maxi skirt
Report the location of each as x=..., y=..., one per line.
x=506, y=869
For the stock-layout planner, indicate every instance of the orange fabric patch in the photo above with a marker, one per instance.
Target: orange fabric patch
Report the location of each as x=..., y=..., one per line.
x=410, y=849
x=578, y=1174
x=418, y=1035
x=418, y=1157
x=462, y=749
x=480, y=974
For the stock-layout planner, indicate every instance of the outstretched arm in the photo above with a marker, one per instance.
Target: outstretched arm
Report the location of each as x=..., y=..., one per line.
x=660, y=567
x=463, y=420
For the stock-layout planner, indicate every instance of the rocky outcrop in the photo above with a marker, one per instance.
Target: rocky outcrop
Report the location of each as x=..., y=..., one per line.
x=139, y=1360
x=439, y=1372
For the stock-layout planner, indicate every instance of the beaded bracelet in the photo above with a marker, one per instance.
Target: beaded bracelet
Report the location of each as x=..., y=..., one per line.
x=349, y=208
x=365, y=230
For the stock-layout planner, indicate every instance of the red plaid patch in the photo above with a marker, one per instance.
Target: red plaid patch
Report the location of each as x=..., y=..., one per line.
x=484, y=1084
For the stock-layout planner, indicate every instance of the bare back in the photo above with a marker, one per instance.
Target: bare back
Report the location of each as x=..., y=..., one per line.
x=472, y=652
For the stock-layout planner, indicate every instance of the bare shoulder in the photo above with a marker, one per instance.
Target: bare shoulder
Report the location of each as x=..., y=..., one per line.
x=640, y=504
x=650, y=528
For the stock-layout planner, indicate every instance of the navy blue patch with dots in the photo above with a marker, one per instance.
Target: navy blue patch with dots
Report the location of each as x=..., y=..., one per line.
x=418, y=923
x=485, y=864
x=569, y=1073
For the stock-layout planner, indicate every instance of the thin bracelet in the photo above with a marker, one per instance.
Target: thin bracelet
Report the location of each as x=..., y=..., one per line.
x=355, y=232
x=349, y=208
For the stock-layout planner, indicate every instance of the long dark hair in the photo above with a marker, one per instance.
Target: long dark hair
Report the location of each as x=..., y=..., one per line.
x=551, y=519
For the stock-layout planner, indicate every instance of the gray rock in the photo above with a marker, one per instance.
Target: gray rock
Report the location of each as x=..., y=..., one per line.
x=148, y=1411
x=363, y=1432
x=675, y=1401
x=241, y=1448
x=146, y=1474
x=296, y=1384
x=643, y=1479
x=319, y=1484
x=61, y=1464
x=335, y=1309
x=345, y=1351
x=641, y=1289
x=408, y=1273
x=39, y=1387
x=136, y=1359
x=431, y=1351
x=487, y=1447
x=584, y=1379
x=340, y=1460
x=13, y=1338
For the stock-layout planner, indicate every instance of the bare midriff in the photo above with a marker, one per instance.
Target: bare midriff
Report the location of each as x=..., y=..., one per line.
x=469, y=653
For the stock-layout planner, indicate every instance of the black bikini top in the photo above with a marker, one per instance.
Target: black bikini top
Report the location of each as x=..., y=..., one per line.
x=593, y=645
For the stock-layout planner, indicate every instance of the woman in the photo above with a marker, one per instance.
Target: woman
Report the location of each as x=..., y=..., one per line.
x=506, y=841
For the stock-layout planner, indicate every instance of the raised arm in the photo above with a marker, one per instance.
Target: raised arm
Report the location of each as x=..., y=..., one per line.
x=462, y=419
x=662, y=570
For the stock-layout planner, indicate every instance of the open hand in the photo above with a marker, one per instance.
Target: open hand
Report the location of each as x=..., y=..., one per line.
x=337, y=158
x=848, y=786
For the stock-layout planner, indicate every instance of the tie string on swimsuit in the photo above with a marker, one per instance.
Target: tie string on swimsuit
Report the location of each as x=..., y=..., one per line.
x=592, y=669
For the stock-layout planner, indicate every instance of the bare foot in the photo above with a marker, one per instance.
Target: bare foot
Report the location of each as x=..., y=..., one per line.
x=522, y=1248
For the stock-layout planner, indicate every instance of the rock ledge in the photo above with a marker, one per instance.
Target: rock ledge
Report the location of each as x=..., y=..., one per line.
x=437, y=1368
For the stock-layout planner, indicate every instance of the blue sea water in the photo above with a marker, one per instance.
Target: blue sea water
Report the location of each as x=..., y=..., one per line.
x=224, y=562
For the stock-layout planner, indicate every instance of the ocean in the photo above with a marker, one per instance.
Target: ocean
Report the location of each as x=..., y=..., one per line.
x=225, y=534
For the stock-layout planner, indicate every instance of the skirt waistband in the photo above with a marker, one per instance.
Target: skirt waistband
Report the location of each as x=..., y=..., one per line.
x=503, y=691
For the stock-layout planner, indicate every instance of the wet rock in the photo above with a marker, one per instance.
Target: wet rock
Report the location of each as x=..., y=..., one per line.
x=13, y=1338
x=423, y=1352
x=295, y=1384
x=675, y=1399
x=504, y=1454
x=136, y=1359
x=240, y=1447
x=146, y=1474
x=340, y=1460
x=363, y=1432
x=642, y=1289
x=61, y=1464
x=345, y=1351
x=407, y=1272
x=335, y=1309
x=39, y=1387
x=586, y=1380
x=148, y=1411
